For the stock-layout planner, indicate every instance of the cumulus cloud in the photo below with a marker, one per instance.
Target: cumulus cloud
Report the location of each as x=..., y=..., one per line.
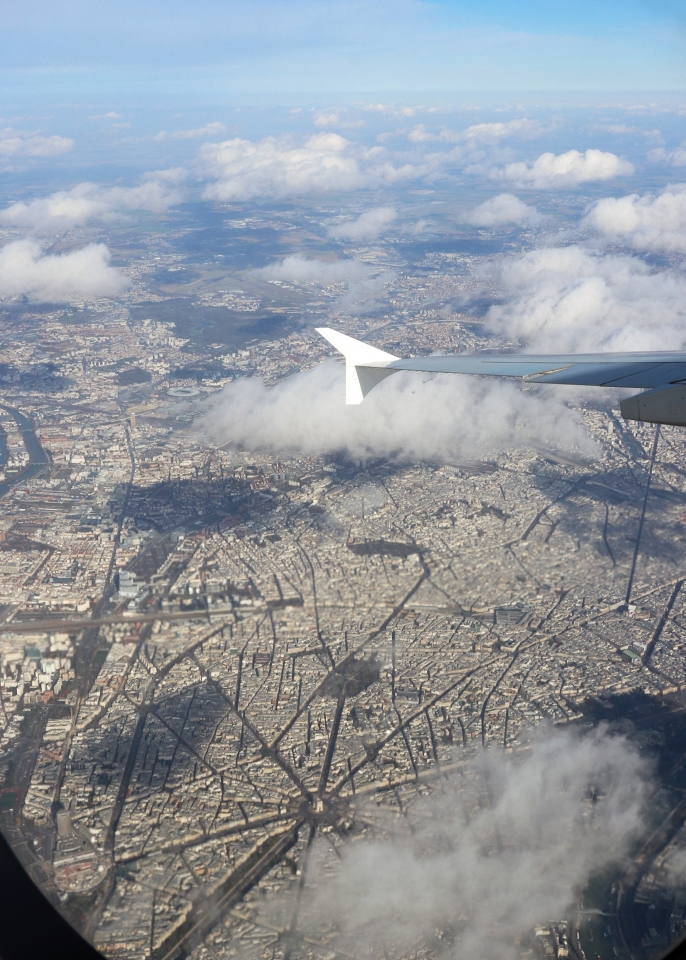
x=25, y=271
x=336, y=118
x=368, y=226
x=420, y=134
x=394, y=109
x=504, y=209
x=487, y=862
x=673, y=158
x=19, y=143
x=214, y=129
x=67, y=209
x=274, y=167
x=500, y=130
x=408, y=416
x=655, y=223
x=569, y=299
x=329, y=163
x=478, y=132
x=565, y=169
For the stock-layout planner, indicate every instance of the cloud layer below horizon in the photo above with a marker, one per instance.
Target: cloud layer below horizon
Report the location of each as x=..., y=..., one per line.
x=280, y=167
x=19, y=144
x=67, y=209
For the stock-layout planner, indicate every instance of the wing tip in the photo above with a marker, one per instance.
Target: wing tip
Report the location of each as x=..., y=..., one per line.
x=365, y=366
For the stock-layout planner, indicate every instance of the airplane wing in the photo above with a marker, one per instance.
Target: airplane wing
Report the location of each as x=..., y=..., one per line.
x=662, y=375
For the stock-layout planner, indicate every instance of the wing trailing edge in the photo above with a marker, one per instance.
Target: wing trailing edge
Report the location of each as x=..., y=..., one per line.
x=365, y=366
x=661, y=374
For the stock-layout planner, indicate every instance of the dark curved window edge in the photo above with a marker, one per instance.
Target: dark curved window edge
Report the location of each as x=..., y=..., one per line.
x=31, y=927
x=678, y=952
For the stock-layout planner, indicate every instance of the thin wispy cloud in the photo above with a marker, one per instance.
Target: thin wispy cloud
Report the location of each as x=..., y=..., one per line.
x=337, y=118
x=311, y=270
x=362, y=284
x=214, y=129
x=478, y=132
x=341, y=45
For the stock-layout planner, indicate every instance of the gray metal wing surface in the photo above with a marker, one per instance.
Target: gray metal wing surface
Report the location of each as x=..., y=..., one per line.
x=662, y=374
x=647, y=370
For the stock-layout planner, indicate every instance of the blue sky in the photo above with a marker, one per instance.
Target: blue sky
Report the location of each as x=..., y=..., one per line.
x=219, y=51
x=436, y=120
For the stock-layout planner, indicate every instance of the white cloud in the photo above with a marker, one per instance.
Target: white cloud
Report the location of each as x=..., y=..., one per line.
x=567, y=299
x=414, y=229
x=674, y=864
x=274, y=167
x=393, y=109
x=214, y=129
x=329, y=163
x=482, y=857
x=368, y=226
x=326, y=119
x=673, y=158
x=314, y=271
x=655, y=223
x=498, y=131
x=364, y=284
x=19, y=143
x=420, y=134
x=85, y=273
x=408, y=416
x=67, y=209
x=565, y=169
x=621, y=129
x=335, y=118
x=478, y=132
x=503, y=209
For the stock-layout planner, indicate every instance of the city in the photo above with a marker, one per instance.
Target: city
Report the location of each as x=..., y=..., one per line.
x=214, y=656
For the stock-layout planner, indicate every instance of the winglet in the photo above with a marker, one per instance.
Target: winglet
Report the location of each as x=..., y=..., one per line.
x=365, y=366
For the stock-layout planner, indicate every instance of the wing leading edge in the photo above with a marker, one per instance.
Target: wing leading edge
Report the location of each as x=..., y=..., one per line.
x=662, y=374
